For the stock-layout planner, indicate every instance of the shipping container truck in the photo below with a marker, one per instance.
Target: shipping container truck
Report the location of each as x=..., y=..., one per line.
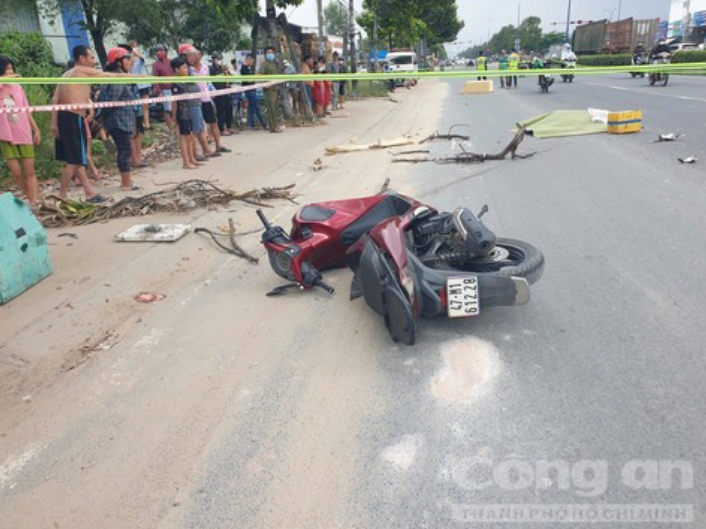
x=589, y=38
x=614, y=37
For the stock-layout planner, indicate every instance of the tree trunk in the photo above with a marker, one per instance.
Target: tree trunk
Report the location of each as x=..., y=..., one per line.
x=96, y=28
x=320, y=17
x=351, y=29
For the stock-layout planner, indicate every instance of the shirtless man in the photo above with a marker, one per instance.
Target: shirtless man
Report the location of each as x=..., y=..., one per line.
x=69, y=127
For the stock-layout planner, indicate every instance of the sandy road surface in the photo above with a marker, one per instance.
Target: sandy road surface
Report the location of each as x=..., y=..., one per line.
x=126, y=405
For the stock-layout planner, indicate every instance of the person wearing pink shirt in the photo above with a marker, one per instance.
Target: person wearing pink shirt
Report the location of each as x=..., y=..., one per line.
x=18, y=133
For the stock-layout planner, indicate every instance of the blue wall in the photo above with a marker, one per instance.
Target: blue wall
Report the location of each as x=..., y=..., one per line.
x=72, y=19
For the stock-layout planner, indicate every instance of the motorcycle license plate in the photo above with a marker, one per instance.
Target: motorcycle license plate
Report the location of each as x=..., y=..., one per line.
x=462, y=298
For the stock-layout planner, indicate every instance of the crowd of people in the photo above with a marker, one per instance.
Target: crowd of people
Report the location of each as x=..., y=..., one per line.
x=199, y=121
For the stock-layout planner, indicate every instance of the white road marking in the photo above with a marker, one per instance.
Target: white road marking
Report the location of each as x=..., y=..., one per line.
x=650, y=93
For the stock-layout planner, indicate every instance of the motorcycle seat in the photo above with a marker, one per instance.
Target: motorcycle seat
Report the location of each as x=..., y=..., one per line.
x=390, y=206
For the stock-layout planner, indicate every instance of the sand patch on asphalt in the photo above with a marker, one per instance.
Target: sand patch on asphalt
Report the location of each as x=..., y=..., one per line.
x=471, y=365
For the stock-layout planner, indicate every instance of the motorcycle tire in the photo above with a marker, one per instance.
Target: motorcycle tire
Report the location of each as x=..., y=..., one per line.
x=653, y=79
x=665, y=79
x=529, y=261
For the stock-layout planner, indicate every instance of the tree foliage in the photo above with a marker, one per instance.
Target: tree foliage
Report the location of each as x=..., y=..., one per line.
x=530, y=34
x=211, y=24
x=336, y=17
x=402, y=23
x=208, y=24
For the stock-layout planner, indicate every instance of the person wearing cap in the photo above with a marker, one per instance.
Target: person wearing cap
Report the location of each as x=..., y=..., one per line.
x=163, y=68
x=120, y=121
x=193, y=59
x=69, y=126
x=224, y=102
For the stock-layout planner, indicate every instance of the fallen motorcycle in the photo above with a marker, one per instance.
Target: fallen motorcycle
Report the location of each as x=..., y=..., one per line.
x=409, y=260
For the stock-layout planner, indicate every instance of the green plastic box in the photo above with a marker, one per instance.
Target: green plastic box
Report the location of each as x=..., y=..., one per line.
x=24, y=255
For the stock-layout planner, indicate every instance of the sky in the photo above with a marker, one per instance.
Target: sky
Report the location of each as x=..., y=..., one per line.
x=483, y=16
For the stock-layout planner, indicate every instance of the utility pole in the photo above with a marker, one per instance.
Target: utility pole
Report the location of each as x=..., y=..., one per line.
x=320, y=14
x=568, y=22
x=351, y=31
x=376, y=51
x=517, y=37
x=620, y=6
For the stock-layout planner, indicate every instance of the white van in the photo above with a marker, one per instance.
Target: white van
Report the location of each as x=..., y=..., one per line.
x=401, y=61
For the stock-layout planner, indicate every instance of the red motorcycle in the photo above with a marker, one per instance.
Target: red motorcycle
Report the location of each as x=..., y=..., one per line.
x=409, y=260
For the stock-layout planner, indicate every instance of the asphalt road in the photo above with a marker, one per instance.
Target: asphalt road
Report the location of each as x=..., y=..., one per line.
x=221, y=408
x=604, y=369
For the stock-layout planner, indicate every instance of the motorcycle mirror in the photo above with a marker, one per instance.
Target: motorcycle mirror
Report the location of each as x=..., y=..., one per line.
x=483, y=211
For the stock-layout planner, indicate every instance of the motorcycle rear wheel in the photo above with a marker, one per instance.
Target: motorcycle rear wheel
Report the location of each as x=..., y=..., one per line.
x=511, y=258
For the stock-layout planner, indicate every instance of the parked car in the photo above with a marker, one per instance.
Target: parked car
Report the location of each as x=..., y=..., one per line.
x=685, y=46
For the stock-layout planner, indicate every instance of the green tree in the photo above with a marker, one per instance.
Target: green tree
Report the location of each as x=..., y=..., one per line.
x=336, y=17
x=553, y=37
x=209, y=25
x=531, y=33
x=402, y=23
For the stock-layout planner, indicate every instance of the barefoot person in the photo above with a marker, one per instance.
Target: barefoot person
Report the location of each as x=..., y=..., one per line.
x=18, y=133
x=120, y=122
x=182, y=114
x=69, y=126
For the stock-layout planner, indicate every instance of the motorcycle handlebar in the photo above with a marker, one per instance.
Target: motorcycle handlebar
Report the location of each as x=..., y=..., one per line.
x=324, y=286
x=263, y=219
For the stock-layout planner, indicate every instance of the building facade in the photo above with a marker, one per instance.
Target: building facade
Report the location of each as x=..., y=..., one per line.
x=687, y=20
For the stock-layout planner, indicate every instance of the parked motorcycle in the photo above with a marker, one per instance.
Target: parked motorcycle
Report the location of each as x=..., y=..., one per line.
x=568, y=77
x=409, y=260
x=639, y=59
x=660, y=78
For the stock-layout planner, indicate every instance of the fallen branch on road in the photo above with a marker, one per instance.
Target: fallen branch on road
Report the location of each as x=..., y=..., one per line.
x=54, y=212
x=471, y=157
x=236, y=249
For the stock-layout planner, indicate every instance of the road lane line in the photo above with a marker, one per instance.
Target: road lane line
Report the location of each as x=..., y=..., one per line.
x=670, y=96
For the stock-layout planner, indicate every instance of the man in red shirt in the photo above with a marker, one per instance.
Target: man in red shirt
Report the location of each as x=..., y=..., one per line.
x=162, y=68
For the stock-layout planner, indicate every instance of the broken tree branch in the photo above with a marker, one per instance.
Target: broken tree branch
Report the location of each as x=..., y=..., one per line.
x=471, y=157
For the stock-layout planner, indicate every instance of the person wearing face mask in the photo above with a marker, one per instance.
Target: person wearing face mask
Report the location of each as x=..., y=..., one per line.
x=120, y=121
x=270, y=68
x=162, y=68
